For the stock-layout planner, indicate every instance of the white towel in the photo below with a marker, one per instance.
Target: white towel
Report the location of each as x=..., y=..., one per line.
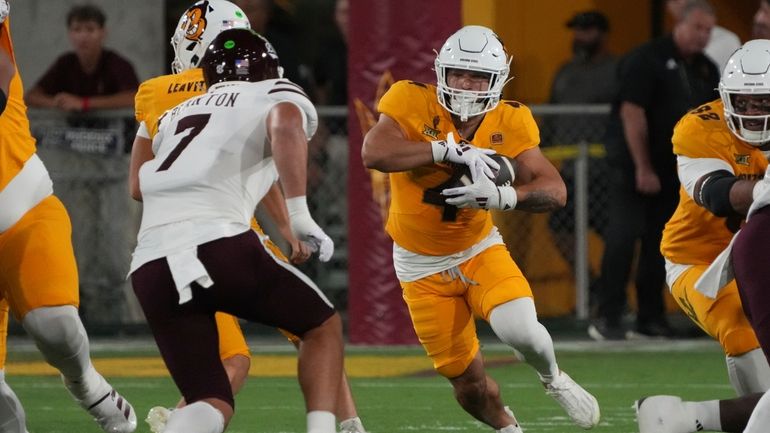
x=187, y=269
x=718, y=274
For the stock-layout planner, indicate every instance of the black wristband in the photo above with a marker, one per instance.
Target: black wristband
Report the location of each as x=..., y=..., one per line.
x=3, y=101
x=713, y=192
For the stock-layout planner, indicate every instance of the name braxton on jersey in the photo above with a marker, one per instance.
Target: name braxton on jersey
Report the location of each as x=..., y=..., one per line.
x=214, y=99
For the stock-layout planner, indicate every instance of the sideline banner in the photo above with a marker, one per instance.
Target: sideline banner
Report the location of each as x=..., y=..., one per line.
x=389, y=41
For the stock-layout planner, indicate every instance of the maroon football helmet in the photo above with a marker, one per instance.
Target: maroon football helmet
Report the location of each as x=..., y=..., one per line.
x=240, y=55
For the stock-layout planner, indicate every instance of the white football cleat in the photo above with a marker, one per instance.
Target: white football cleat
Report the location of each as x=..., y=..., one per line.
x=662, y=414
x=110, y=410
x=157, y=418
x=581, y=406
x=352, y=425
x=511, y=428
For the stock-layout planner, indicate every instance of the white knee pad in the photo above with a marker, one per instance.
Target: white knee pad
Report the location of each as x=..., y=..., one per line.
x=12, y=417
x=199, y=417
x=61, y=338
x=749, y=373
x=515, y=324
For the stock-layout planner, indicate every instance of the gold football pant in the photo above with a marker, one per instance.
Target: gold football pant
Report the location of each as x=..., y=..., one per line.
x=443, y=306
x=722, y=318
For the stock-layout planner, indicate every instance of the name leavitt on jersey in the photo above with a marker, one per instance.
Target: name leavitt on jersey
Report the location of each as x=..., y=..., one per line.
x=159, y=94
x=416, y=220
x=694, y=235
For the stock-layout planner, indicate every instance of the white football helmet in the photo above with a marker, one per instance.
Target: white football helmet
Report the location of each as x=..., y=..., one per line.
x=478, y=49
x=198, y=26
x=5, y=9
x=747, y=73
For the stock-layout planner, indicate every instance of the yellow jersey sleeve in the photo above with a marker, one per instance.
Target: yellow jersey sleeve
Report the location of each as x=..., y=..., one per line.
x=162, y=93
x=694, y=235
x=16, y=142
x=418, y=218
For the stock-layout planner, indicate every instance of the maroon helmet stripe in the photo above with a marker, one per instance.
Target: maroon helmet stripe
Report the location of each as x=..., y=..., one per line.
x=288, y=90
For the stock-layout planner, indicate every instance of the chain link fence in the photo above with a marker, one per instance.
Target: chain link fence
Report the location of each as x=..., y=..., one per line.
x=88, y=159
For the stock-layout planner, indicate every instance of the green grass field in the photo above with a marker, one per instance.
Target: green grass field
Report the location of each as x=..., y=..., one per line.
x=396, y=393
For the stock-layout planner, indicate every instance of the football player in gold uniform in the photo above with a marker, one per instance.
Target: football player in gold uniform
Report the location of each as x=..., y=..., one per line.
x=38, y=274
x=721, y=151
x=449, y=257
x=196, y=29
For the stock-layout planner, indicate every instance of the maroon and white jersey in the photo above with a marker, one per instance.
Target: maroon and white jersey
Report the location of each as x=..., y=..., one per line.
x=213, y=164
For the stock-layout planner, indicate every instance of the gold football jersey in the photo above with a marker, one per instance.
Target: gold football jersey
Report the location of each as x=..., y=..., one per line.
x=694, y=235
x=16, y=142
x=162, y=93
x=418, y=219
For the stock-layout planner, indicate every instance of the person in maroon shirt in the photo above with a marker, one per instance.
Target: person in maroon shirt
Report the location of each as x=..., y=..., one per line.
x=91, y=76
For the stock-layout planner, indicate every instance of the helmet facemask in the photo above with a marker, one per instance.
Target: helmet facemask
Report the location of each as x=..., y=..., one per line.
x=745, y=92
x=198, y=27
x=751, y=128
x=477, y=50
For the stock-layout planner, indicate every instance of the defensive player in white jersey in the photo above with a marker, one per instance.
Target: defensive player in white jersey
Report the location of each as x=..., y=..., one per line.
x=195, y=30
x=215, y=157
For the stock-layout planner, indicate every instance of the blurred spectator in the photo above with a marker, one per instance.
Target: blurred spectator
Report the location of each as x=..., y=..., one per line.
x=761, y=27
x=91, y=76
x=575, y=83
x=330, y=69
x=264, y=19
x=722, y=43
x=659, y=82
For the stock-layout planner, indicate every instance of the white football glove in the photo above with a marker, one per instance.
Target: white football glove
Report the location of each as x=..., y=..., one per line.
x=482, y=194
x=305, y=228
x=5, y=9
x=475, y=158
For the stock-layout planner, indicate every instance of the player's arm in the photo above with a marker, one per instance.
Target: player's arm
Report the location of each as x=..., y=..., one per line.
x=288, y=142
x=386, y=148
x=141, y=152
x=275, y=206
x=713, y=185
x=539, y=187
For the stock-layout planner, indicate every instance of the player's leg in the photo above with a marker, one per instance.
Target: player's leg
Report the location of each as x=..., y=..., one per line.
x=12, y=416
x=502, y=296
x=749, y=258
x=252, y=284
x=187, y=338
x=42, y=291
x=235, y=356
x=445, y=328
x=670, y=414
x=759, y=422
x=346, y=413
x=724, y=320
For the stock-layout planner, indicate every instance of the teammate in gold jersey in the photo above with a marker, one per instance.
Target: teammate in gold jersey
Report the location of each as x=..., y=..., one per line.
x=449, y=257
x=38, y=274
x=722, y=150
x=159, y=94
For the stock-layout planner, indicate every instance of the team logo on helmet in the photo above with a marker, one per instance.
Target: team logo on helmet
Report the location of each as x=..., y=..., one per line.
x=194, y=23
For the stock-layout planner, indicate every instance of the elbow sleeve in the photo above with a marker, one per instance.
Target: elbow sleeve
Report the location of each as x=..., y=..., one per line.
x=713, y=192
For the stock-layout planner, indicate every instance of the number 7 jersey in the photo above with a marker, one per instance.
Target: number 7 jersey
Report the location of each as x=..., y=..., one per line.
x=212, y=165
